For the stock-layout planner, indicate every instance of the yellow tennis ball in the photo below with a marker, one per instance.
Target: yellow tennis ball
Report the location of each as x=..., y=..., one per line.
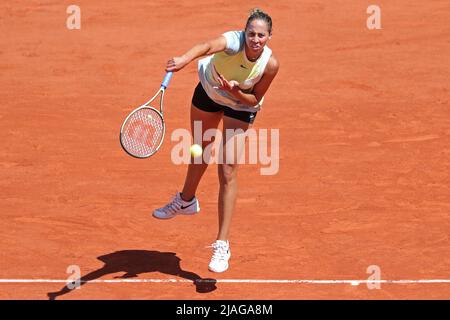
x=196, y=150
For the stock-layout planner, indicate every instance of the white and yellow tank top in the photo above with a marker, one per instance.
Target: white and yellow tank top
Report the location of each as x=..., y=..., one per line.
x=233, y=64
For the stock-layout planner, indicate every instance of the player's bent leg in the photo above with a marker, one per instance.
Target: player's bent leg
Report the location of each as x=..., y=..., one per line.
x=185, y=202
x=209, y=120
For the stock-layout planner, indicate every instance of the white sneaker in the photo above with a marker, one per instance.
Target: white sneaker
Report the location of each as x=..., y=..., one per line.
x=177, y=206
x=221, y=255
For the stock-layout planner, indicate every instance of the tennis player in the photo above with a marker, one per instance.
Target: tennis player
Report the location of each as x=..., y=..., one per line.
x=234, y=77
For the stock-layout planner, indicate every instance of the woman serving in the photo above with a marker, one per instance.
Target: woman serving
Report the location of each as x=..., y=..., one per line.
x=234, y=77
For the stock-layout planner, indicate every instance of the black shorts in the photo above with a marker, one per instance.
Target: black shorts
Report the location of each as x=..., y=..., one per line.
x=202, y=101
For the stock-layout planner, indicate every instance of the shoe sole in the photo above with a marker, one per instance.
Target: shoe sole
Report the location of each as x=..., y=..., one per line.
x=161, y=218
x=178, y=214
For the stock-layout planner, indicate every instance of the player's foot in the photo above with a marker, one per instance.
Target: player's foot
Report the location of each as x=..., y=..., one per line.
x=177, y=206
x=220, y=257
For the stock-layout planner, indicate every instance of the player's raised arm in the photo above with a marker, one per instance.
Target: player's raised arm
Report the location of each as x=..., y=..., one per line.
x=202, y=49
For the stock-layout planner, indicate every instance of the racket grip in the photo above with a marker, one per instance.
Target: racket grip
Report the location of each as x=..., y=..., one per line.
x=166, y=80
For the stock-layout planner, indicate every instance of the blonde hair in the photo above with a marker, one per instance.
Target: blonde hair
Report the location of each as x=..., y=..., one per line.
x=258, y=14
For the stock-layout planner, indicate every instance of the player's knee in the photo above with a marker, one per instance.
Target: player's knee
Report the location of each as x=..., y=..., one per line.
x=227, y=173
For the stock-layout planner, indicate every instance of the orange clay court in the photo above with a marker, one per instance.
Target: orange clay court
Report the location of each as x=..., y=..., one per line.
x=364, y=172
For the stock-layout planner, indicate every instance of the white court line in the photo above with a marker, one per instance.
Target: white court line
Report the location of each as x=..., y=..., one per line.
x=352, y=282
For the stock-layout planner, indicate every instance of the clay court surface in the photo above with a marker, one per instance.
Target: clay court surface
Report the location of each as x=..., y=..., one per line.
x=364, y=152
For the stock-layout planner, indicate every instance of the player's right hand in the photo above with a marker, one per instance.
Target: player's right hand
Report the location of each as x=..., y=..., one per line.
x=176, y=64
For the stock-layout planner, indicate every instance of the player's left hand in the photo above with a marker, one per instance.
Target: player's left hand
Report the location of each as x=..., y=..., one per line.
x=226, y=85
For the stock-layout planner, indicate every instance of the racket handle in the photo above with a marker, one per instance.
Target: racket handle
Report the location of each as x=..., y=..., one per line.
x=166, y=80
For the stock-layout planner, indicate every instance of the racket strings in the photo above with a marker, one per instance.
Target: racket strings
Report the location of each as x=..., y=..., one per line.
x=143, y=132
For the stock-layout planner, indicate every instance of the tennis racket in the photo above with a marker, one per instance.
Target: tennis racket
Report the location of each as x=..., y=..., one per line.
x=142, y=132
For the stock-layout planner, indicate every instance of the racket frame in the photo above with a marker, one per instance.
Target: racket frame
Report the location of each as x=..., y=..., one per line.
x=160, y=113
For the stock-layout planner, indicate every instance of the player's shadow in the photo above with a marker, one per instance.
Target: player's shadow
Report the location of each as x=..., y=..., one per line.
x=135, y=262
